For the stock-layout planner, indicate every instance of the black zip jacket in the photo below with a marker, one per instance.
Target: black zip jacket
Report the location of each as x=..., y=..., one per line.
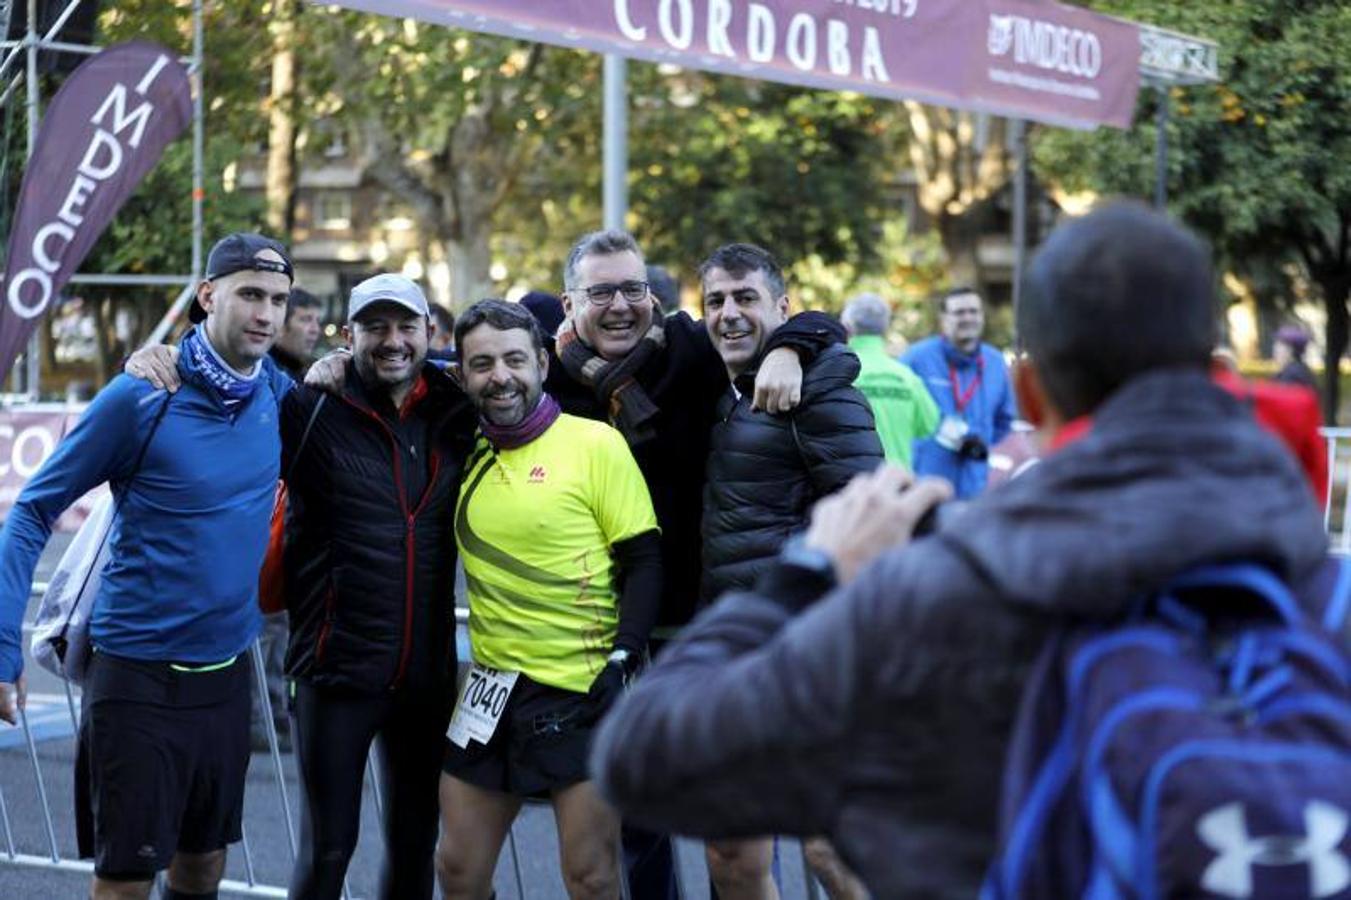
x=370, y=551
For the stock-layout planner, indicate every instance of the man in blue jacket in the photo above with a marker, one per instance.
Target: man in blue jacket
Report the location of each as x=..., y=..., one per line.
x=970, y=383
x=164, y=736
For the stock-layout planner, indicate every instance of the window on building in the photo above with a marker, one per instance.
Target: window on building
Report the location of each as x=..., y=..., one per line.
x=333, y=211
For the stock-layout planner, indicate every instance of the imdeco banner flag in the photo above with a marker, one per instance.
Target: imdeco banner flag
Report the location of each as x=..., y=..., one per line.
x=103, y=131
x=1032, y=59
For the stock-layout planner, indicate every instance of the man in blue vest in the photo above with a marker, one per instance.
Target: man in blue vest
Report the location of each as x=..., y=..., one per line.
x=970, y=383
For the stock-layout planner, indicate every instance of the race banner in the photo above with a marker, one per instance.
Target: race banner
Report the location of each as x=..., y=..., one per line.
x=1032, y=59
x=28, y=435
x=103, y=131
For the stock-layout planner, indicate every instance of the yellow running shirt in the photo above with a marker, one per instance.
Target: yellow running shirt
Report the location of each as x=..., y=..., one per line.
x=534, y=527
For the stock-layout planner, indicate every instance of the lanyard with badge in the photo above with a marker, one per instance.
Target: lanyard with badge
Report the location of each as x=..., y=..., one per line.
x=954, y=428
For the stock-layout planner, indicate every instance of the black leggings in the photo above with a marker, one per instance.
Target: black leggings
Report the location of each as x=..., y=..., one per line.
x=334, y=730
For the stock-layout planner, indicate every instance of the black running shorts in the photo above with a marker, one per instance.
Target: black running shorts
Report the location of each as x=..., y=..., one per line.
x=161, y=764
x=540, y=745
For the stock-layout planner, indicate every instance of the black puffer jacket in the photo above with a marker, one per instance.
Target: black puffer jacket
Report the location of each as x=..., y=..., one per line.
x=881, y=714
x=370, y=551
x=765, y=471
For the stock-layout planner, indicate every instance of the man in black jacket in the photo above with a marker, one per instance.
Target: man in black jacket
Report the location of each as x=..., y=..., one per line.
x=766, y=471
x=880, y=714
x=369, y=564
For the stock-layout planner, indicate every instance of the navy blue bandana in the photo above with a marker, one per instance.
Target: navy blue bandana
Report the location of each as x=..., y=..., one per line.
x=232, y=387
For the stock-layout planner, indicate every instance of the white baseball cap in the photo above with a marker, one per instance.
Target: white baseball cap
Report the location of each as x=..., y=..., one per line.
x=387, y=289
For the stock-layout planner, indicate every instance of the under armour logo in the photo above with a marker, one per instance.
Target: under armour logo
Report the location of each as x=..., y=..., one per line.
x=537, y=475
x=1225, y=830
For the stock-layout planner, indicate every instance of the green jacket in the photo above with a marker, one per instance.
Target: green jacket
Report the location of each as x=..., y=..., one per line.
x=902, y=406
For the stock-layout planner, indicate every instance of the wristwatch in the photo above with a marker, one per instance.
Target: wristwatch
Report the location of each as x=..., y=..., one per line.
x=799, y=554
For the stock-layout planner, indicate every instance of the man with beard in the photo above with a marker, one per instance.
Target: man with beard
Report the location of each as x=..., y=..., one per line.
x=879, y=711
x=369, y=571
x=563, y=566
x=970, y=383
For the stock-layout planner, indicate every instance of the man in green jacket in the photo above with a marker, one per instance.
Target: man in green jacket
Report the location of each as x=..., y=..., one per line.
x=901, y=404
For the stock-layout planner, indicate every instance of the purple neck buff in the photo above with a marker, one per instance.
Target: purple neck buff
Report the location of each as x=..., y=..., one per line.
x=509, y=437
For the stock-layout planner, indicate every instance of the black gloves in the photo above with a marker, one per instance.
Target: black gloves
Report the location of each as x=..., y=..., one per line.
x=612, y=681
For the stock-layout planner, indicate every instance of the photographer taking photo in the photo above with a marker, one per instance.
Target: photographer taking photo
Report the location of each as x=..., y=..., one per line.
x=970, y=384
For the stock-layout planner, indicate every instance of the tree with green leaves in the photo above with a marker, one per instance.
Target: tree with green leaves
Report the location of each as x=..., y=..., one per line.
x=451, y=122
x=1261, y=162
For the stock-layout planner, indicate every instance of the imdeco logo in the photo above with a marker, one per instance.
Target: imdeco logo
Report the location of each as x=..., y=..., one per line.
x=1045, y=45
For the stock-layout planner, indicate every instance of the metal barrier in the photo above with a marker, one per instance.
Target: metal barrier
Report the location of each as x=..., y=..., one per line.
x=251, y=885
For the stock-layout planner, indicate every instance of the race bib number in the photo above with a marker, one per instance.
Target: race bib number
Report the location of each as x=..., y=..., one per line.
x=482, y=700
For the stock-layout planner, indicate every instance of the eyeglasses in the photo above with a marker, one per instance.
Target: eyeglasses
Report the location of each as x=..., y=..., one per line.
x=604, y=294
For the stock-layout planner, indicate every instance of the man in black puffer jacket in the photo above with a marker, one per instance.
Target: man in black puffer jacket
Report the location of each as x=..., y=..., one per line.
x=369, y=563
x=879, y=713
x=766, y=471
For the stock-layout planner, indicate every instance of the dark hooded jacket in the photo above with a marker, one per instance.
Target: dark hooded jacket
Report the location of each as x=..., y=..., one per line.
x=766, y=471
x=880, y=716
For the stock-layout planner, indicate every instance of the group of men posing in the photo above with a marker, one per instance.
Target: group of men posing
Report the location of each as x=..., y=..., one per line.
x=600, y=485
x=599, y=488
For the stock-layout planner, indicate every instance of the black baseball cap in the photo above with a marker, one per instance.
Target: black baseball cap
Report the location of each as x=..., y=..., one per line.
x=239, y=252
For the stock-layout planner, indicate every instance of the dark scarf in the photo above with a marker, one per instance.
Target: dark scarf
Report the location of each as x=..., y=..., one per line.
x=615, y=383
x=509, y=437
x=232, y=387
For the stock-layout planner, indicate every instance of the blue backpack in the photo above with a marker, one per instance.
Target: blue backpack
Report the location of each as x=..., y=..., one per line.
x=1200, y=749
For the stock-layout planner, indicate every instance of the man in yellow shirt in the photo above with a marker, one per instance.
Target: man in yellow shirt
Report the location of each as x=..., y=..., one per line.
x=563, y=565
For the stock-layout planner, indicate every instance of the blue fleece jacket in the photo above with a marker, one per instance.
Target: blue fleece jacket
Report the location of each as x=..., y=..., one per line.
x=189, y=536
x=989, y=413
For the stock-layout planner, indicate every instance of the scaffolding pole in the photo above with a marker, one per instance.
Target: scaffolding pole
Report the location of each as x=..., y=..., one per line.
x=32, y=362
x=26, y=378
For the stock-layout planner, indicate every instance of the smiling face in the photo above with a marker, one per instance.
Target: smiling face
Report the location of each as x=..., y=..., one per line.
x=740, y=313
x=244, y=313
x=389, y=343
x=611, y=330
x=502, y=372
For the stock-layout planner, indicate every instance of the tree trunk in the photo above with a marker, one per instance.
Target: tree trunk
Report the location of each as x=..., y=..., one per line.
x=470, y=258
x=961, y=240
x=1336, y=292
x=281, y=139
